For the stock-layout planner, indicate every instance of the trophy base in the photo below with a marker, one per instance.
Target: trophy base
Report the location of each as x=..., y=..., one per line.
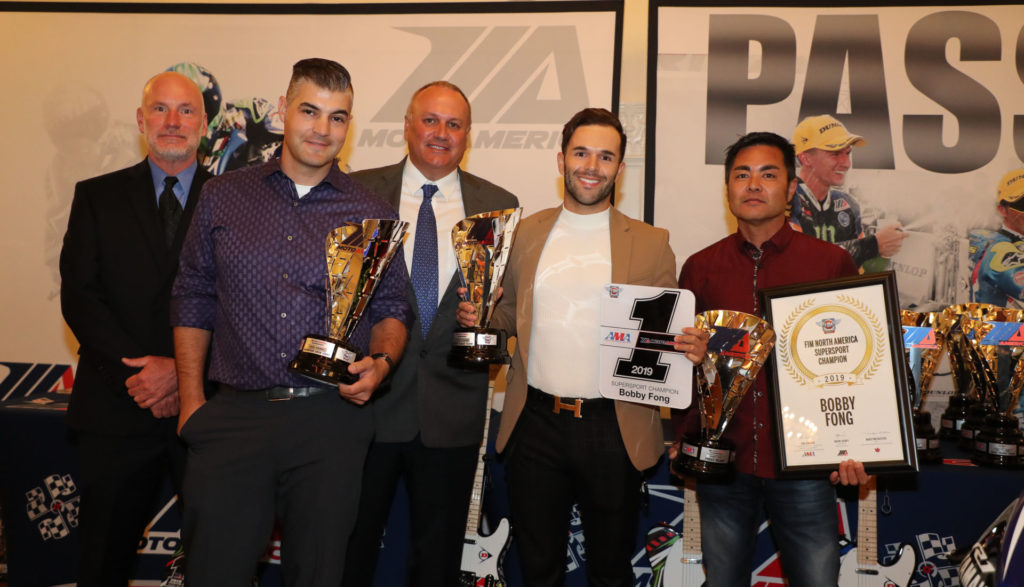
x=927, y=439
x=999, y=443
x=953, y=418
x=973, y=424
x=325, y=360
x=476, y=347
x=710, y=460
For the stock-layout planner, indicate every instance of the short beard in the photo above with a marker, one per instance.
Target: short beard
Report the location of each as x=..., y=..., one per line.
x=602, y=196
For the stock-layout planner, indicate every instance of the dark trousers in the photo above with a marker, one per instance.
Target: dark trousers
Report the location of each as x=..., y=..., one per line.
x=439, y=482
x=555, y=460
x=119, y=481
x=251, y=459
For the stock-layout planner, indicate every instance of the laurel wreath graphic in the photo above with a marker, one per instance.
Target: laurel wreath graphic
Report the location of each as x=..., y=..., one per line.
x=783, y=343
x=876, y=326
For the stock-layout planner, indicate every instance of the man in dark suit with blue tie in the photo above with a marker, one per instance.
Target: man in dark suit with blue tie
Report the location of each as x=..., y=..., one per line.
x=429, y=421
x=119, y=259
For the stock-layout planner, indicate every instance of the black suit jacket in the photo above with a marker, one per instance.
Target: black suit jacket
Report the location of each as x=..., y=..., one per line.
x=444, y=404
x=116, y=276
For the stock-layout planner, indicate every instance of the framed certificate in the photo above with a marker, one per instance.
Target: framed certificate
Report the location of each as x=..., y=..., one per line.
x=839, y=377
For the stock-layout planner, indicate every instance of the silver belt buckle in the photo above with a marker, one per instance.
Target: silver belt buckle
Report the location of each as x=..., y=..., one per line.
x=289, y=396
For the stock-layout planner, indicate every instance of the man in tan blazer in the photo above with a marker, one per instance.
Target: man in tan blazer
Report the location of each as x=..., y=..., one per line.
x=562, y=441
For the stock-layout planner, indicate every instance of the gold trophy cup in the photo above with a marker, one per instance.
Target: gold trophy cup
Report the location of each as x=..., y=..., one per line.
x=482, y=244
x=740, y=344
x=357, y=257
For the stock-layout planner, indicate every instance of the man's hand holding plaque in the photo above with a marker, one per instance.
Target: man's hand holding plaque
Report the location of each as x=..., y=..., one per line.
x=482, y=244
x=357, y=257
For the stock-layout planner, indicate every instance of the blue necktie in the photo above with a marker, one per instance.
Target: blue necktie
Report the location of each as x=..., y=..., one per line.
x=424, y=260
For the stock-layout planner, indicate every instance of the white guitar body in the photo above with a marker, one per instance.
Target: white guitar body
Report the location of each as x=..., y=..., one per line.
x=482, y=555
x=859, y=567
x=896, y=574
x=685, y=569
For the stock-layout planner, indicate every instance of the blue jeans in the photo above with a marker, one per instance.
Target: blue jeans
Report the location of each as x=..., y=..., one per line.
x=803, y=521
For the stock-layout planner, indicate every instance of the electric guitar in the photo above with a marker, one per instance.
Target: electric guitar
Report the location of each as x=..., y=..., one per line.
x=482, y=556
x=677, y=559
x=859, y=566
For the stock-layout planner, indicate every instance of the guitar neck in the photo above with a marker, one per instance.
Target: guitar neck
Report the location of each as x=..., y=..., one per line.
x=691, y=519
x=867, y=527
x=476, y=498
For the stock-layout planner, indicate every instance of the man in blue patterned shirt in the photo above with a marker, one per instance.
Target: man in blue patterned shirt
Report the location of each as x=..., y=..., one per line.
x=251, y=285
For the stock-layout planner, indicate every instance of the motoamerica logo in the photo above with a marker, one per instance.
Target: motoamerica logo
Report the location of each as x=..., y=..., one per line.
x=162, y=536
x=55, y=507
x=513, y=75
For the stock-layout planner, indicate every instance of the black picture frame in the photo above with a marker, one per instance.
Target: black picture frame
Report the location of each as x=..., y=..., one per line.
x=837, y=373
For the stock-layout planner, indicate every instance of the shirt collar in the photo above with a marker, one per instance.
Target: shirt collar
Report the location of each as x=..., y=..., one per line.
x=184, y=185
x=1011, y=232
x=335, y=176
x=779, y=241
x=413, y=180
x=812, y=199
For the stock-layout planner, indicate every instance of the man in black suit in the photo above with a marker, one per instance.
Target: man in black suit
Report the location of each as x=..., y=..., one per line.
x=429, y=421
x=119, y=259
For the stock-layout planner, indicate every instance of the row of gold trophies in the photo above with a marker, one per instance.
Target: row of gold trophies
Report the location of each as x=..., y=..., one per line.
x=985, y=344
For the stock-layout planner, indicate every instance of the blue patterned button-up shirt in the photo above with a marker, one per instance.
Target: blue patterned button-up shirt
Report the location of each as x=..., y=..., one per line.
x=253, y=271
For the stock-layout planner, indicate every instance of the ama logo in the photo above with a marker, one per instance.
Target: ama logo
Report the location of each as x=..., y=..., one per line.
x=741, y=348
x=1005, y=334
x=730, y=342
x=919, y=337
x=613, y=336
x=1017, y=338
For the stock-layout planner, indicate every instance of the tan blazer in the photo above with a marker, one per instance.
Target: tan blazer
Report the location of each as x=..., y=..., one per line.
x=641, y=255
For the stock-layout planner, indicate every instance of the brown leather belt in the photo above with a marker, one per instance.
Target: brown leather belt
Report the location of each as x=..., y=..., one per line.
x=572, y=405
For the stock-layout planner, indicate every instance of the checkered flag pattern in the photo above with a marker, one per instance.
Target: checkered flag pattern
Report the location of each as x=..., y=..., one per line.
x=36, y=505
x=71, y=511
x=933, y=567
x=53, y=528
x=59, y=485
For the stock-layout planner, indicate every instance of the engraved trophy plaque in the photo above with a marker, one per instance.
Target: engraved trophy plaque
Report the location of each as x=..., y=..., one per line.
x=482, y=244
x=357, y=257
x=952, y=421
x=924, y=339
x=999, y=344
x=740, y=344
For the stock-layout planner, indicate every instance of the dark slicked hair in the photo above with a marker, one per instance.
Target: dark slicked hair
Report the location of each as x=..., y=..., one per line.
x=448, y=86
x=324, y=73
x=593, y=116
x=769, y=139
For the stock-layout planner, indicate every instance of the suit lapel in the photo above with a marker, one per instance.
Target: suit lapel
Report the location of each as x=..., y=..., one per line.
x=474, y=199
x=622, y=246
x=143, y=204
